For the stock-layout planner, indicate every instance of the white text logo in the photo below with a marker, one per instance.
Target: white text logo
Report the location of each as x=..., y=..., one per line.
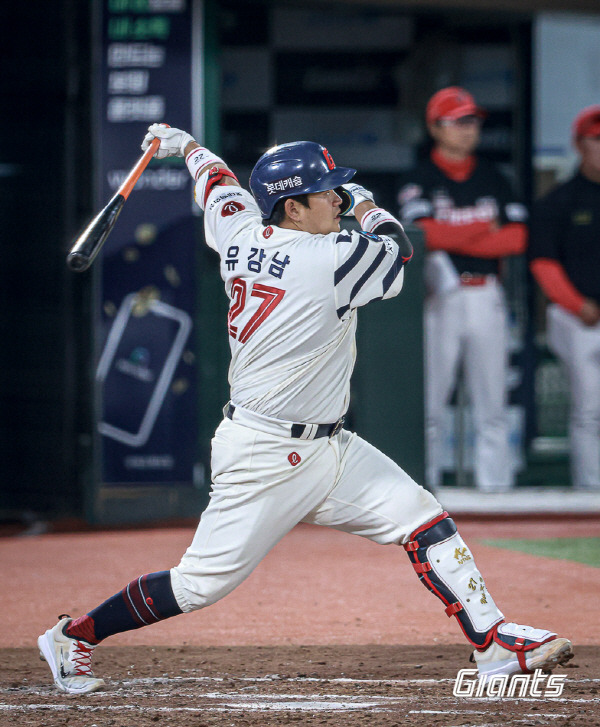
x=538, y=684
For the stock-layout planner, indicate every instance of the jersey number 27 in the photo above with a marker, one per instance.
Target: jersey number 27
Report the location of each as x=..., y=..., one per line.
x=271, y=298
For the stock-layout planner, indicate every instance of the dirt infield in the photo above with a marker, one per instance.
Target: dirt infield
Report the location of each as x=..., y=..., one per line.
x=249, y=686
x=245, y=660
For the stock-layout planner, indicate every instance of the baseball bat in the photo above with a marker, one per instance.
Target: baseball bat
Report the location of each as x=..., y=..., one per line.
x=90, y=241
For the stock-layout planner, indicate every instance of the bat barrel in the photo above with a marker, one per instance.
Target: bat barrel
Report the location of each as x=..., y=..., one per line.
x=78, y=262
x=90, y=242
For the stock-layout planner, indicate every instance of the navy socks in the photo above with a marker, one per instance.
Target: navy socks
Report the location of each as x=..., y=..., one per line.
x=144, y=601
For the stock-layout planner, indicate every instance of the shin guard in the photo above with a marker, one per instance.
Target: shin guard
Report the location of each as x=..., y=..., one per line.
x=446, y=567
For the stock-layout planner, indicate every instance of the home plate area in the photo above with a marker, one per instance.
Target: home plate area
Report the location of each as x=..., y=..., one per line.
x=340, y=686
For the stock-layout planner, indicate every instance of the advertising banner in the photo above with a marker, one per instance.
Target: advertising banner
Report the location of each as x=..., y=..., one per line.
x=146, y=368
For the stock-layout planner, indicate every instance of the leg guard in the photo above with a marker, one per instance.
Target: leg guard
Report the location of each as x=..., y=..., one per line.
x=446, y=567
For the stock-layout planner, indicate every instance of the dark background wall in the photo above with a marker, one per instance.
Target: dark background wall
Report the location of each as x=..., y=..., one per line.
x=47, y=163
x=45, y=194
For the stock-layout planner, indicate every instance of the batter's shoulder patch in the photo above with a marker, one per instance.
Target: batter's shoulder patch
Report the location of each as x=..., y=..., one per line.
x=230, y=208
x=225, y=195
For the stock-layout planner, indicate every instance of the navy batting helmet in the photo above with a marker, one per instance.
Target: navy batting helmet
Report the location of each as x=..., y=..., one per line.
x=287, y=170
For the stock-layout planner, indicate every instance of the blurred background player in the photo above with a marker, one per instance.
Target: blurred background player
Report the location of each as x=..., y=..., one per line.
x=471, y=221
x=565, y=260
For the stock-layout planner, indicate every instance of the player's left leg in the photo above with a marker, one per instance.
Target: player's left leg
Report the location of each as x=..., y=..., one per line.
x=486, y=361
x=578, y=347
x=584, y=424
x=68, y=646
x=443, y=333
x=376, y=499
x=263, y=485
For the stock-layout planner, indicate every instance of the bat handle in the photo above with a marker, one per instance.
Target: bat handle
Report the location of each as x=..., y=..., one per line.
x=133, y=176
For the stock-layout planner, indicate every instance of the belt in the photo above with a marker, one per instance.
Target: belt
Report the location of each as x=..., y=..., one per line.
x=296, y=431
x=473, y=279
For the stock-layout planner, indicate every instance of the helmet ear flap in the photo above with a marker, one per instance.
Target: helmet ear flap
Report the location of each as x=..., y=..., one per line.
x=347, y=199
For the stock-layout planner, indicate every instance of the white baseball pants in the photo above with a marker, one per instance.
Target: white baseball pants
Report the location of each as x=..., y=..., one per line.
x=578, y=347
x=469, y=324
x=259, y=495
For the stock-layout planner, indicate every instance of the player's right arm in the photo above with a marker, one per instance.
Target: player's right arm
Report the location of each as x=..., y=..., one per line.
x=199, y=160
x=210, y=173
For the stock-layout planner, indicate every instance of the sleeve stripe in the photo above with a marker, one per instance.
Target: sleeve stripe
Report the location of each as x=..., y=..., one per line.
x=352, y=261
x=392, y=274
x=367, y=274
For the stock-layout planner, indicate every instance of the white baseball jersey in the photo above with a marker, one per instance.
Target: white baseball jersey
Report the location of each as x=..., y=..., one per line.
x=292, y=322
x=292, y=315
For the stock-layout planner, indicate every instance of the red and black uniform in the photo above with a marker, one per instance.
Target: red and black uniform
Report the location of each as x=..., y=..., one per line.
x=471, y=220
x=565, y=243
x=456, y=204
x=565, y=260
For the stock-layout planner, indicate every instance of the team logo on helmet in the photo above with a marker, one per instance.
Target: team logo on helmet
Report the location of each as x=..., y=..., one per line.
x=328, y=159
x=231, y=208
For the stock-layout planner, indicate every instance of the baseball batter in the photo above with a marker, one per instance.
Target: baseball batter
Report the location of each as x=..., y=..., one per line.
x=281, y=456
x=471, y=221
x=565, y=260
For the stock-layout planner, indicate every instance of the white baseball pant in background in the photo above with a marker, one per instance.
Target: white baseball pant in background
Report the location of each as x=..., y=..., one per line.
x=258, y=496
x=578, y=347
x=469, y=323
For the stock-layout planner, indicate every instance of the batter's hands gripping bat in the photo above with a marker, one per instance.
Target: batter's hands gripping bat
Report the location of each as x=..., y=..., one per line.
x=90, y=242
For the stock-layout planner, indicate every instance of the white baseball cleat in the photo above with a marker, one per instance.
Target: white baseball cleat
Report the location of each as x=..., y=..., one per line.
x=69, y=660
x=522, y=649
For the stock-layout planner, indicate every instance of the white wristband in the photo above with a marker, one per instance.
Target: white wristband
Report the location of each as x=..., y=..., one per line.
x=199, y=158
x=375, y=217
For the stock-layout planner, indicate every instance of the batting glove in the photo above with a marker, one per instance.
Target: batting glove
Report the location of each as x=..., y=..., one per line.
x=172, y=141
x=352, y=194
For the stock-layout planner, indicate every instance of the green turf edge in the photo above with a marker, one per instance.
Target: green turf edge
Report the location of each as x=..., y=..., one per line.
x=581, y=550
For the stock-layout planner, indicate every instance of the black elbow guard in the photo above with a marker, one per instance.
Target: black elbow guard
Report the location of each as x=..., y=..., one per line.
x=396, y=232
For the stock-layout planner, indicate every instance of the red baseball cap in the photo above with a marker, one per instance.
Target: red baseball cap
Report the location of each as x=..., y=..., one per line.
x=587, y=123
x=452, y=103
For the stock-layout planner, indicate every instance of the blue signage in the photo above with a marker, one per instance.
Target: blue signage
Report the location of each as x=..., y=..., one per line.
x=146, y=367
